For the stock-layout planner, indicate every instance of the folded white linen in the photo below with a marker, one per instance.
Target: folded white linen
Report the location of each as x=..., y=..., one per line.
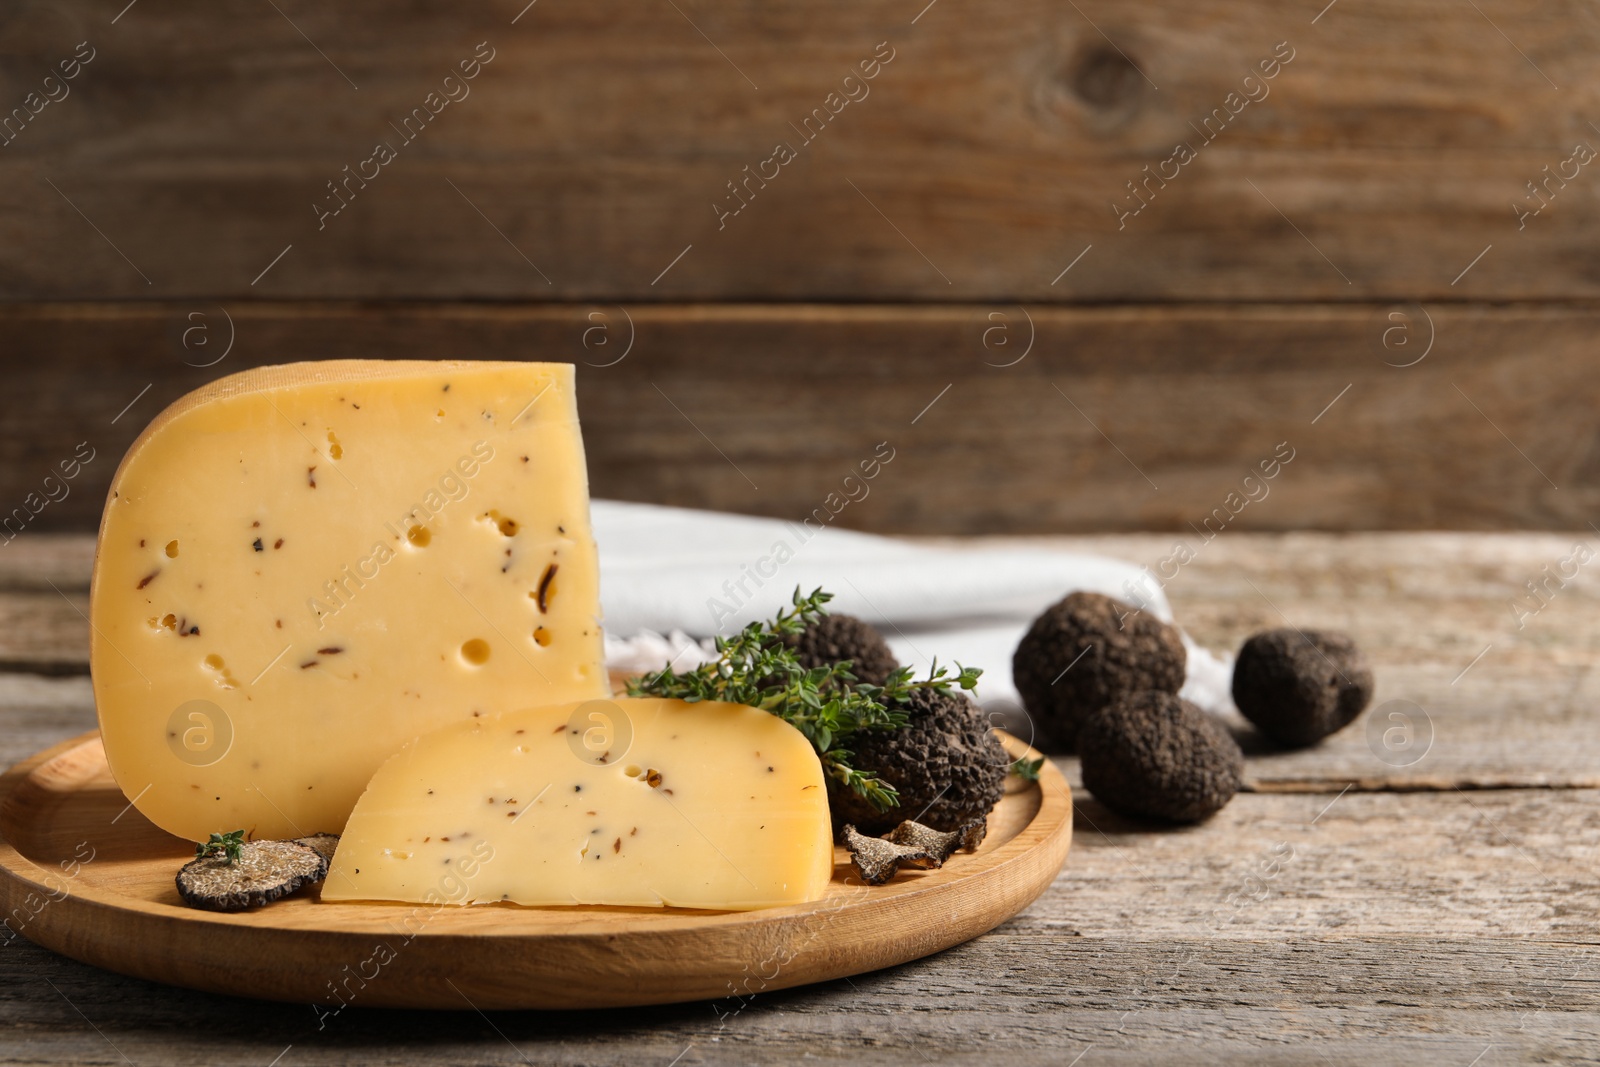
x=693, y=575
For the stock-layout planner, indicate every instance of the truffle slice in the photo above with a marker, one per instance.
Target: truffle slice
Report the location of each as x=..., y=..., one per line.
x=1298, y=687
x=941, y=844
x=1084, y=653
x=1155, y=755
x=946, y=763
x=323, y=845
x=833, y=638
x=265, y=871
x=877, y=860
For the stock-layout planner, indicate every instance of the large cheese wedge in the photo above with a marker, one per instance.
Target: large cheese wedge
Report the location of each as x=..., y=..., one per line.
x=642, y=802
x=302, y=567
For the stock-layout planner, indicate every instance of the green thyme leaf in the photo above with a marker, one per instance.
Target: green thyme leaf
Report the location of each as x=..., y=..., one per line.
x=1027, y=770
x=230, y=845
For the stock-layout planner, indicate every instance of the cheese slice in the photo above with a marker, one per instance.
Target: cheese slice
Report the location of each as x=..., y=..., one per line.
x=632, y=801
x=302, y=567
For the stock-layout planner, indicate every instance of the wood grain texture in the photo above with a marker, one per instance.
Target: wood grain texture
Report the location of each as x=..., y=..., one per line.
x=46, y=633
x=1386, y=155
x=1425, y=608
x=1115, y=418
x=55, y=565
x=1380, y=939
x=82, y=874
x=1029, y=994
x=43, y=711
x=1417, y=927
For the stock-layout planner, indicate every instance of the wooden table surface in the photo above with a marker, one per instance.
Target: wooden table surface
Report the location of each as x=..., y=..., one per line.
x=1343, y=909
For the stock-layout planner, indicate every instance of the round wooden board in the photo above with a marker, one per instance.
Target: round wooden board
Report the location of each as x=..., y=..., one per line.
x=83, y=873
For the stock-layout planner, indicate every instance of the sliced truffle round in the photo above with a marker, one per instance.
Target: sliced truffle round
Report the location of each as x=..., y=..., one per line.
x=1085, y=652
x=325, y=845
x=1299, y=686
x=1155, y=755
x=831, y=639
x=265, y=871
x=946, y=763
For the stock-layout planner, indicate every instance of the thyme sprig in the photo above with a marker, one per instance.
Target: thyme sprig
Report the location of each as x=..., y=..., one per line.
x=230, y=845
x=827, y=704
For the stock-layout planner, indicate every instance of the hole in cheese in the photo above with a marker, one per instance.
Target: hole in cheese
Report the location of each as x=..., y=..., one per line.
x=172, y=550
x=419, y=536
x=506, y=526
x=225, y=677
x=475, y=651
x=542, y=637
x=335, y=449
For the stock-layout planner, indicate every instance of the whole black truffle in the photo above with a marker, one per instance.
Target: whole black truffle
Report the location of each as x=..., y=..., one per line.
x=832, y=638
x=1299, y=686
x=1155, y=755
x=1084, y=653
x=946, y=763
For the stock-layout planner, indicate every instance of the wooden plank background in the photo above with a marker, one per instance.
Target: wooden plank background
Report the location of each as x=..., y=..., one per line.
x=1117, y=417
x=1357, y=216
x=997, y=138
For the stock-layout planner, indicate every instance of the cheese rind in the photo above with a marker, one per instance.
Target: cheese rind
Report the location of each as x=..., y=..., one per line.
x=302, y=567
x=711, y=805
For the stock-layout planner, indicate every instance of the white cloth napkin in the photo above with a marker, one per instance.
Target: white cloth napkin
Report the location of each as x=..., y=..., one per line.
x=673, y=578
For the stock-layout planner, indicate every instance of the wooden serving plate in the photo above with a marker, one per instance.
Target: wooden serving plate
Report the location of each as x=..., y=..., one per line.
x=83, y=873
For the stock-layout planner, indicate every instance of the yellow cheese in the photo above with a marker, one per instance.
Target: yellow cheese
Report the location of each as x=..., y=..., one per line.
x=300, y=568
x=642, y=802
